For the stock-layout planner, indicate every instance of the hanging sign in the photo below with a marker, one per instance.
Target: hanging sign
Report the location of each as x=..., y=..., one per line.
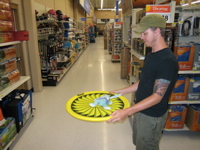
x=163, y=10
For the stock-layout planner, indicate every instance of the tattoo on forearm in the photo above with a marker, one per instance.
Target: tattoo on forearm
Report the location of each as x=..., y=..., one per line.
x=160, y=86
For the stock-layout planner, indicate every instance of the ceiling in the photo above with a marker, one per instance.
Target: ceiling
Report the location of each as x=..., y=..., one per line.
x=106, y=4
x=110, y=4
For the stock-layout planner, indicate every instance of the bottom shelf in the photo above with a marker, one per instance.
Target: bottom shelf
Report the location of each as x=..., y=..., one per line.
x=14, y=140
x=185, y=128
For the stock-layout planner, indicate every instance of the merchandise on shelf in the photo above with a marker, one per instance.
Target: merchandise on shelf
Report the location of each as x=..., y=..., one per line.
x=180, y=91
x=185, y=56
x=7, y=52
x=18, y=104
x=176, y=117
x=7, y=132
x=8, y=66
x=194, y=89
x=193, y=117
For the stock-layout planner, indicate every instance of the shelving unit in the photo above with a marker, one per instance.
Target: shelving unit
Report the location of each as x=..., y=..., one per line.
x=8, y=90
x=116, y=41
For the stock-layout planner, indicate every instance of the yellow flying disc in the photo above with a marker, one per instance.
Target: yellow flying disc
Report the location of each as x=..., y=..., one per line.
x=78, y=106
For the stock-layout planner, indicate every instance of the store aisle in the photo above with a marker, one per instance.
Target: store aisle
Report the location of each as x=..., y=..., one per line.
x=54, y=129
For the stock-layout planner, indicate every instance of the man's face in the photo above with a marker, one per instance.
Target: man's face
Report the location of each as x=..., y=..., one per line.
x=149, y=37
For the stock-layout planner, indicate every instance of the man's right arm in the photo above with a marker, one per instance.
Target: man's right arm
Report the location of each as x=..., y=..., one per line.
x=129, y=89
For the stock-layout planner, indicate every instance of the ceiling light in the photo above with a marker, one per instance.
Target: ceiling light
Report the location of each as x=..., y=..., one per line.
x=198, y=1
x=101, y=4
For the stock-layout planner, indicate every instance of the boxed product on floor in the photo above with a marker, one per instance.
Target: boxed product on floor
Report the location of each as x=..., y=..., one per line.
x=5, y=4
x=18, y=104
x=194, y=89
x=7, y=52
x=7, y=132
x=6, y=15
x=6, y=37
x=193, y=117
x=180, y=90
x=6, y=26
x=185, y=56
x=176, y=117
x=8, y=66
x=196, y=63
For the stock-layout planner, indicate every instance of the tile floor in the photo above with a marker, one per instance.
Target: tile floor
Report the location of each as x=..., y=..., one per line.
x=54, y=129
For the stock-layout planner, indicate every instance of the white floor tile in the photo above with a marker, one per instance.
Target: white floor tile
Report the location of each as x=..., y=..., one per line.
x=54, y=129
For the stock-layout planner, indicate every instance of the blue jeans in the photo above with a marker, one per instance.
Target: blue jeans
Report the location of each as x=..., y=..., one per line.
x=147, y=131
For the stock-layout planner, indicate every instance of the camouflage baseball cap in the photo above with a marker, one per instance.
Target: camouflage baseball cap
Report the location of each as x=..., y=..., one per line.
x=149, y=21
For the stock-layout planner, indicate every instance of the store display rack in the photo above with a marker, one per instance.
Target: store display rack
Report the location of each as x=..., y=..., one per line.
x=8, y=90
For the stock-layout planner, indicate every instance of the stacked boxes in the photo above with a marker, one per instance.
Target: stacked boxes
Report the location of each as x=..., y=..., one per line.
x=176, y=117
x=6, y=22
x=9, y=73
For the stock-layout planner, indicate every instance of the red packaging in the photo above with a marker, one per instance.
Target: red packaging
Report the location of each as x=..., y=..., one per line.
x=21, y=35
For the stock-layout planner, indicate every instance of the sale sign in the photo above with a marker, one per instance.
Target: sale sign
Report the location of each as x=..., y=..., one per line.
x=164, y=10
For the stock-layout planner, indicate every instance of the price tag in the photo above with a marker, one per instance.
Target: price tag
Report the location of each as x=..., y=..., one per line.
x=167, y=17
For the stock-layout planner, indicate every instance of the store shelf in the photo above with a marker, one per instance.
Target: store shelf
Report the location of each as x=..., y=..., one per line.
x=10, y=43
x=139, y=56
x=189, y=72
x=185, y=102
x=126, y=43
x=9, y=89
x=185, y=128
x=18, y=135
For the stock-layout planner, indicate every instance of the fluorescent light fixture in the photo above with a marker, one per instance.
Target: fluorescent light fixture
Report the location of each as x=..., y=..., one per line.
x=101, y=4
x=119, y=2
x=109, y=9
x=198, y=1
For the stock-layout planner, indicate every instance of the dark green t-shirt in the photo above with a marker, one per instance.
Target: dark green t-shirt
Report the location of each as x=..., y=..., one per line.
x=159, y=65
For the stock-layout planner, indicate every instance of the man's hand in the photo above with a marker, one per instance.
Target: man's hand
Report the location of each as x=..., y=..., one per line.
x=118, y=116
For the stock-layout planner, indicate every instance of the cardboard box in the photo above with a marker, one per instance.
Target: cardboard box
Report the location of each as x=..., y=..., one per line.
x=7, y=52
x=6, y=15
x=196, y=63
x=8, y=66
x=180, y=90
x=5, y=4
x=185, y=57
x=194, y=89
x=7, y=132
x=6, y=37
x=6, y=26
x=19, y=106
x=193, y=117
x=8, y=79
x=176, y=117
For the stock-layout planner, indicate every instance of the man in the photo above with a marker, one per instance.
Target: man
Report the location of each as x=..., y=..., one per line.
x=157, y=81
